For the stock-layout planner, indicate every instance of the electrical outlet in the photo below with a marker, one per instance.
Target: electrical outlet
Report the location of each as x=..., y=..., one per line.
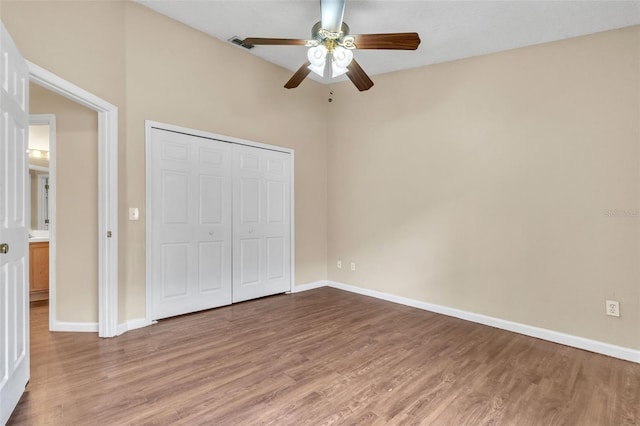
x=339, y=264
x=353, y=266
x=613, y=308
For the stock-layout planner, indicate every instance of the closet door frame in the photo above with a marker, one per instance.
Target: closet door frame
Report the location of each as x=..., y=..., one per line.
x=150, y=124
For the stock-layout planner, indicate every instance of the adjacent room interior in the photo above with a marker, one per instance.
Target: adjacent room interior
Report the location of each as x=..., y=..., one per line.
x=450, y=224
x=72, y=192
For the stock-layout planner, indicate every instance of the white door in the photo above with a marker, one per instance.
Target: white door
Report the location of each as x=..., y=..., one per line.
x=14, y=261
x=190, y=218
x=261, y=222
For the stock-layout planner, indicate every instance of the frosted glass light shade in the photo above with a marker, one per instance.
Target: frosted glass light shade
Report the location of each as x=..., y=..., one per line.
x=337, y=70
x=341, y=59
x=318, y=57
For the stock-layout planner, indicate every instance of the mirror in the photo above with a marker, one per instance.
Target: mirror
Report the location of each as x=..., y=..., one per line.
x=39, y=175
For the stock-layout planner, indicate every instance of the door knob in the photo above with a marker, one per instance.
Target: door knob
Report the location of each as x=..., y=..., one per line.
x=211, y=232
x=4, y=248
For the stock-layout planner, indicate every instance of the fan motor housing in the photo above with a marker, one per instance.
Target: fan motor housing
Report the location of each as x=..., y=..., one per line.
x=316, y=32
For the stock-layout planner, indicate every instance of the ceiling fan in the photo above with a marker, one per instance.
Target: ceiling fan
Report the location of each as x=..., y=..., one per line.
x=331, y=47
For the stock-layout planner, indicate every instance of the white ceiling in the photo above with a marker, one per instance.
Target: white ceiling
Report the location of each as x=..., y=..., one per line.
x=449, y=29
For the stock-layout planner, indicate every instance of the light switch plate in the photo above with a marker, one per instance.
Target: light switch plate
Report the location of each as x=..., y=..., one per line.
x=134, y=213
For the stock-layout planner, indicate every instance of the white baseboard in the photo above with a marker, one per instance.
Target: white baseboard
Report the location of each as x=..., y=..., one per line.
x=132, y=324
x=92, y=327
x=87, y=327
x=309, y=286
x=614, y=351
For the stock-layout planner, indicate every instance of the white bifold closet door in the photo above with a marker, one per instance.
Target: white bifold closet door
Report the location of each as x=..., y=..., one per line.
x=190, y=223
x=220, y=223
x=261, y=222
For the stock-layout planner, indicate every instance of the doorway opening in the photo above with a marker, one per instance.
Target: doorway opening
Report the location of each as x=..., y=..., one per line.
x=63, y=232
x=107, y=195
x=42, y=136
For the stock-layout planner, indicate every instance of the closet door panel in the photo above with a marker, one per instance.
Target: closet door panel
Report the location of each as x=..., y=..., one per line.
x=190, y=223
x=275, y=202
x=211, y=196
x=249, y=262
x=261, y=200
x=249, y=206
x=211, y=267
x=175, y=190
x=277, y=226
x=175, y=270
x=276, y=260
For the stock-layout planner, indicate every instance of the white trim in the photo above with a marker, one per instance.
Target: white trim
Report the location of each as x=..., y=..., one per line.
x=148, y=125
x=50, y=120
x=133, y=324
x=147, y=208
x=107, y=191
x=84, y=327
x=292, y=223
x=309, y=286
x=42, y=198
x=39, y=168
x=614, y=351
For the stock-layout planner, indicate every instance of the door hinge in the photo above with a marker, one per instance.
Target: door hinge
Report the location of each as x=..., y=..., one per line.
x=108, y=234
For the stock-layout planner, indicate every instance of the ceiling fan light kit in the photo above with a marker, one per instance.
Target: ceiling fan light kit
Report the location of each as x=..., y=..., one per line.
x=340, y=58
x=317, y=56
x=331, y=47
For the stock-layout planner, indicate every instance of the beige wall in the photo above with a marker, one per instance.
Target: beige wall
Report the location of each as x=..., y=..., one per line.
x=76, y=204
x=484, y=185
x=153, y=68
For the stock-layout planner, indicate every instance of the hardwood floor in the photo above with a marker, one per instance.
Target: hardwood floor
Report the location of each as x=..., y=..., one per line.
x=320, y=357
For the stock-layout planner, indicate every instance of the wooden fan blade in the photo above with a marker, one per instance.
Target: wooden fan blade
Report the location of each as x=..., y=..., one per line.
x=332, y=12
x=394, y=41
x=275, y=41
x=300, y=75
x=358, y=77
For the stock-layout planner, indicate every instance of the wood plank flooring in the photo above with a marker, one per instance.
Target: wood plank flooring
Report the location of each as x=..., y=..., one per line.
x=316, y=358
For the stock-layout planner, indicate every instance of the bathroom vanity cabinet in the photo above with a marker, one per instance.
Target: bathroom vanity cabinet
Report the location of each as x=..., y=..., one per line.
x=39, y=270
